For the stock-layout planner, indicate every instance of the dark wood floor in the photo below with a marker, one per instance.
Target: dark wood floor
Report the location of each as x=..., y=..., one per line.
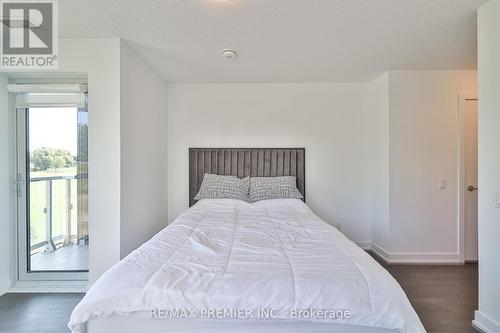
x=444, y=296
x=36, y=313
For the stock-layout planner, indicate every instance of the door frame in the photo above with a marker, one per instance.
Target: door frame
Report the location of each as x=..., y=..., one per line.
x=21, y=211
x=461, y=100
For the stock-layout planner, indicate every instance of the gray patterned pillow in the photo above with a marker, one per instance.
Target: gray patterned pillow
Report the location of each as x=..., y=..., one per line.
x=262, y=188
x=223, y=187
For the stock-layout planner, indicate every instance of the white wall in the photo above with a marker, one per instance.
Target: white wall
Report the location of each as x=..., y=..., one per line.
x=374, y=152
x=379, y=162
x=143, y=153
x=5, y=188
x=488, y=315
x=329, y=120
x=423, y=150
x=100, y=59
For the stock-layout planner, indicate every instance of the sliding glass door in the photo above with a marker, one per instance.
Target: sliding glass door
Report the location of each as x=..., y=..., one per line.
x=52, y=190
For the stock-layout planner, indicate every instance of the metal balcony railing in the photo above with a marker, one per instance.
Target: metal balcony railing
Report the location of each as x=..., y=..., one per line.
x=67, y=235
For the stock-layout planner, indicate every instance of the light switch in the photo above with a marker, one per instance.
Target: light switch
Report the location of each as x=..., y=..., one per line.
x=497, y=200
x=443, y=185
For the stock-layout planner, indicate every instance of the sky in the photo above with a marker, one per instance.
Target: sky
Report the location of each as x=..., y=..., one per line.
x=53, y=128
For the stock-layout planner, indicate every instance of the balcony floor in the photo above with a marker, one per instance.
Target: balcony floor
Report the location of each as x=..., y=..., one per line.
x=67, y=258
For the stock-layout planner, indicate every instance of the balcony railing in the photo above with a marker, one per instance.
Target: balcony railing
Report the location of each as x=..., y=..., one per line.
x=54, y=221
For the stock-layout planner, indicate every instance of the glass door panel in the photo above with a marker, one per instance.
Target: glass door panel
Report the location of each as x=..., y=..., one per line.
x=53, y=223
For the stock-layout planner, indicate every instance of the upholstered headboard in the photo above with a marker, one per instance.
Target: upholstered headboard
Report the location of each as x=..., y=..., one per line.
x=243, y=162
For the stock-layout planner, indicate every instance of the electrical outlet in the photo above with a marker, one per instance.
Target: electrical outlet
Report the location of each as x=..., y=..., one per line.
x=443, y=185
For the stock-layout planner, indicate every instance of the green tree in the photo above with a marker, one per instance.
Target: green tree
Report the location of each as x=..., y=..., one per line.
x=59, y=162
x=40, y=159
x=43, y=159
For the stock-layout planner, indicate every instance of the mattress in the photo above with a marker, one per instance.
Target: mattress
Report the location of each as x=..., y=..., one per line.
x=228, y=261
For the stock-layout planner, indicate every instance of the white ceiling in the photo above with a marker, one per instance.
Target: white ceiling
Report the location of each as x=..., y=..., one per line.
x=283, y=40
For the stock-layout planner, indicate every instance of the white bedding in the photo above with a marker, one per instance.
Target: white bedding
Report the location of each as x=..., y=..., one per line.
x=245, y=259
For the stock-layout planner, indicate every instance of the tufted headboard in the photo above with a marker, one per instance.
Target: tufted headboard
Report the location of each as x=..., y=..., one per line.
x=243, y=162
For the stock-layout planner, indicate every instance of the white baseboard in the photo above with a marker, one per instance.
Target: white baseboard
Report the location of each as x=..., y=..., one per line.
x=4, y=287
x=49, y=287
x=485, y=323
x=416, y=258
x=365, y=245
x=380, y=252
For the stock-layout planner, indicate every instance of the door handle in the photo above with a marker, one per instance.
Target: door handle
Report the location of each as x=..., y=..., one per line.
x=471, y=188
x=19, y=182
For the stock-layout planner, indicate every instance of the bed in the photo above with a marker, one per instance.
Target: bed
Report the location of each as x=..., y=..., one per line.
x=231, y=266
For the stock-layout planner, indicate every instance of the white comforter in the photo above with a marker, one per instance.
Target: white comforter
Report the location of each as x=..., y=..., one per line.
x=275, y=255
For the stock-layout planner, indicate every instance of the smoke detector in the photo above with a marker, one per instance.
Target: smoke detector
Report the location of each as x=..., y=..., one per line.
x=229, y=54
